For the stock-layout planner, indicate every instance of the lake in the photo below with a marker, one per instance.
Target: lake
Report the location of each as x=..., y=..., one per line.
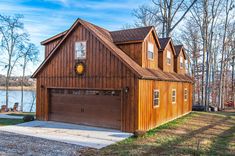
x=15, y=96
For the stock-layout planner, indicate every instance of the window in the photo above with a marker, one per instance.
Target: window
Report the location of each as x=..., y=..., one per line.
x=168, y=57
x=173, y=95
x=80, y=50
x=156, y=98
x=185, y=94
x=150, y=51
x=181, y=62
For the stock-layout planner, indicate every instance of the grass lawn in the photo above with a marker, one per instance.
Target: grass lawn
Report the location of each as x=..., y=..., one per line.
x=198, y=133
x=5, y=122
x=21, y=114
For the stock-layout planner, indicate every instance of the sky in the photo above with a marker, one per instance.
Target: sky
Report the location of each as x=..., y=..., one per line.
x=45, y=18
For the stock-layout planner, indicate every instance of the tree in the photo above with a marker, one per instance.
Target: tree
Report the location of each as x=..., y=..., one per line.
x=11, y=37
x=229, y=6
x=167, y=12
x=29, y=53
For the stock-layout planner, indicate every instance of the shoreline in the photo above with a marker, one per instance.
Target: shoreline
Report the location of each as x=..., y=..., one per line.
x=18, y=88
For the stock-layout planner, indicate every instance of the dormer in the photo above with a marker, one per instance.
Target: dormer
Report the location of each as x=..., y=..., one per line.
x=141, y=44
x=180, y=59
x=166, y=55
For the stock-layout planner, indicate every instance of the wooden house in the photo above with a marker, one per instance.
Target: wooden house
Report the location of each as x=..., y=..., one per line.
x=110, y=79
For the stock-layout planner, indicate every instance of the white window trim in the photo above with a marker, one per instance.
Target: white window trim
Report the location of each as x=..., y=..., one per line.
x=168, y=57
x=172, y=96
x=186, y=89
x=156, y=90
x=80, y=58
x=149, y=43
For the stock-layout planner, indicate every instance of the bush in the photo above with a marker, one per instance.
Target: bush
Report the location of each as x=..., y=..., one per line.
x=28, y=118
x=139, y=133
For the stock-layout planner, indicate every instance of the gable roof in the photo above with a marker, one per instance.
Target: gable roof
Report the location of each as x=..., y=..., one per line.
x=164, y=42
x=100, y=34
x=104, y=37
x=119, y=36
x=178, y=49
x=136, y=34
x=60, y=35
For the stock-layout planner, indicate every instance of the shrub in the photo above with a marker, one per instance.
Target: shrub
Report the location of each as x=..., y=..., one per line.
x=28, y=118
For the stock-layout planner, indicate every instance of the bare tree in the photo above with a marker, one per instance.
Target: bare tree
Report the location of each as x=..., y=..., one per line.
x=168, y=13
x=29, y=53
x=11, y=37
x=33, y=101
x=229, y=6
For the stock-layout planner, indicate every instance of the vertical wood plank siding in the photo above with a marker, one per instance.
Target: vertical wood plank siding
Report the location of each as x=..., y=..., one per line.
x=150, y=116
x=133, y=50
x=163, y=59
x=177, y=64
x=103, y=70
x=146, y=62
x=50, y=46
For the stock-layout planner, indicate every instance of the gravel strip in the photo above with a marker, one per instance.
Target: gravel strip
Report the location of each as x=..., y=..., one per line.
x=12, y=144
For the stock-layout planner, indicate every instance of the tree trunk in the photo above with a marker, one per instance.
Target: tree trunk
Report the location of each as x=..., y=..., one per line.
x=205, y=39
x=22, y=86
x=221, y=82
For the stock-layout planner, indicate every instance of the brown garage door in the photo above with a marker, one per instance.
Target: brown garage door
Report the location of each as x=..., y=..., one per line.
x=89, y=107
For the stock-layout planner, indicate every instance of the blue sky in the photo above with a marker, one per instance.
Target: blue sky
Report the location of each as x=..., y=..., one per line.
x=44, y=18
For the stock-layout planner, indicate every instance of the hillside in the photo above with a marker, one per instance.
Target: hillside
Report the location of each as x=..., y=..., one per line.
x=15, y=81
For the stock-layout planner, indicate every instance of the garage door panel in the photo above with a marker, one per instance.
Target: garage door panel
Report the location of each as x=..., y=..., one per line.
x=102, y=110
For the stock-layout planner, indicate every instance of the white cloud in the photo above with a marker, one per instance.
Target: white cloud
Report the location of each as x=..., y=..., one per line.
x=43, y=22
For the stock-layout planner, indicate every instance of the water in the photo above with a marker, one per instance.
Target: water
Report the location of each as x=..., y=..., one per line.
x=15, y=96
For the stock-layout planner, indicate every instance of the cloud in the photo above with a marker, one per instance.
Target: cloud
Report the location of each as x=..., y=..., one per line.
x=44, y=18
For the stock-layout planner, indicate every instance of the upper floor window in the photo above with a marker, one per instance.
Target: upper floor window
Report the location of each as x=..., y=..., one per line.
x=168, y=57
x=80, y=50
x=181, y=62
x=185, y=94
x=156, y=98
x=150, y=51
x=173, y=95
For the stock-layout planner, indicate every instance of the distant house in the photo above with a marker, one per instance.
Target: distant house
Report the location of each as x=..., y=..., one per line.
x=123, y=79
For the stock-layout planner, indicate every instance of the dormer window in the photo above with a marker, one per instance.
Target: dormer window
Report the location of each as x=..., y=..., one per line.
x=80, y=50
x=150, y=51
x=181, y=62
x=168, y=57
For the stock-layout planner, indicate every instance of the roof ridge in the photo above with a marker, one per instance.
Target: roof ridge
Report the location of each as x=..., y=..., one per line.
x=131, y=29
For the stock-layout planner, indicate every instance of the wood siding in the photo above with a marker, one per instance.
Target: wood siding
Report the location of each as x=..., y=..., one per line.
x=51, y=45
x=133, y=50
x=146, y=62
x=162, y=59
x=150, y=116
x=103, y=70
x=178, y=69
x=139, y=52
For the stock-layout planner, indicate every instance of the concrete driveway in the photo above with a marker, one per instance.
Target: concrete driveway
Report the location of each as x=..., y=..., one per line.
x=86, y=136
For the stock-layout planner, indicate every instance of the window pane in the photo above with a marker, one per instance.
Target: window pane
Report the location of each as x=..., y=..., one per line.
x=169, y=54
x=156, y=98
x=150, y=55
x=150, y=47
x=168, y=61
x=80, y=50
x=181, y=59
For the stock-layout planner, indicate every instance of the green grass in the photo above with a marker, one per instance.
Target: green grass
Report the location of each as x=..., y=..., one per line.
x=22, y=114
x=5, y=122
x=198, y=133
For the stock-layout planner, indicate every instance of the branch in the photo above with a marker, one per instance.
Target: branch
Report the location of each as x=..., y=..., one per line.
x=182, y=17
x=178, y=7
